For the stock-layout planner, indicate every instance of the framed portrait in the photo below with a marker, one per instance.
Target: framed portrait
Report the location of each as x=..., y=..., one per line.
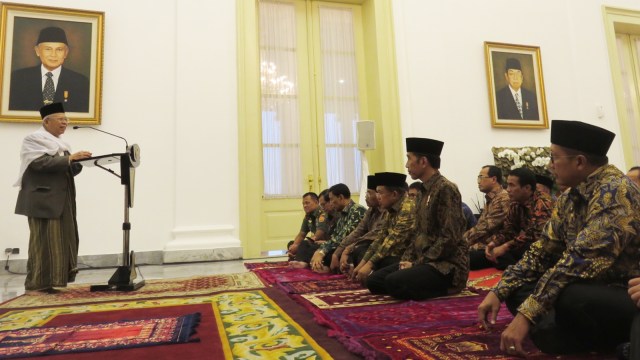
x=516, y=86
x=50, y=55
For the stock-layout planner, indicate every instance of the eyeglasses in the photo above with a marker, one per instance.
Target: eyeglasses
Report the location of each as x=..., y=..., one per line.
x=552, y=157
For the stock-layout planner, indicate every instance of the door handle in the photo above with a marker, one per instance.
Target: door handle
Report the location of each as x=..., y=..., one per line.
x=310, y=180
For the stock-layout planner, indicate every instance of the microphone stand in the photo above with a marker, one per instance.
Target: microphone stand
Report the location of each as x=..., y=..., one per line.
x=124, y=276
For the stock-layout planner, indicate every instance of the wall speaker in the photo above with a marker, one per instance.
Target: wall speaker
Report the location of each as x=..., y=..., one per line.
x=365, y=135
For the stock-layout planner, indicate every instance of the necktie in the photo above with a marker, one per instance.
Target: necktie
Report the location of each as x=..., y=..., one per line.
x=519, y=104
x=49, y=91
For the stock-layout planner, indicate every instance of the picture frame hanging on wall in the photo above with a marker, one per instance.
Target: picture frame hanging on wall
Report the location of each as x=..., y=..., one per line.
x=515, y=86
x=39, y=43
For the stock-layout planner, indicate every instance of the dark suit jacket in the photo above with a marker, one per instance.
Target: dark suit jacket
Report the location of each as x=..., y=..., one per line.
x=507, y=108
x=44, y=187
x=26, y=90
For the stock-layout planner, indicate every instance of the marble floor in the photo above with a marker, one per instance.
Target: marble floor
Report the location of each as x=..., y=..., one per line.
x=13, y=284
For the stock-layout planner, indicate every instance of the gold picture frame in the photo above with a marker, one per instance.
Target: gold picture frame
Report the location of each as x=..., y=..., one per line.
x=78, y=71
x=526, y=106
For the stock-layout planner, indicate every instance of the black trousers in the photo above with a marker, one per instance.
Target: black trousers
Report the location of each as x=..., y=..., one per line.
x=586, y=317
x=358, y=252
x=418, y=282
x=635, y=337
x=478, y=260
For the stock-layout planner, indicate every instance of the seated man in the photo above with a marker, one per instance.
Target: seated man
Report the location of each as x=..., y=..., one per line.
x=634, y=174
x=350, y=216
x=529, y=211
x=568, y=291
x=436, y=262
x=544, y=184
x=353, y=247
x=315, y=221
x=325, y=204
x=414, y=189
x=492, y=216
x=392, y=236
x=469, y=219
x=631, y=351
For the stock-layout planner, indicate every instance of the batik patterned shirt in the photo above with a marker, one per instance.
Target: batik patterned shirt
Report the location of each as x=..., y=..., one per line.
x=592, y=236
x=525, y=221
x=364, y=231
x=349, y=219
x=316, y=220
x=393, y=235
x=491, y=219
x=440, y=225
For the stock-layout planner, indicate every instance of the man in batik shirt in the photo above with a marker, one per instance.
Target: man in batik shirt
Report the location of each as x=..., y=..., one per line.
x=436, y=262
x=568, y=292
x=492, y=217
x=529, y=211
x=353, y=247
x=350, y=216
x=392, y=236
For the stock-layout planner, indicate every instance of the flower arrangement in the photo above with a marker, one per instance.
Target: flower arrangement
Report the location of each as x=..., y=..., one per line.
x=532, y=157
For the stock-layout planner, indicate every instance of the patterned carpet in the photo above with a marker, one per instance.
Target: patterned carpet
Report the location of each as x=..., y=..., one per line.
x=380, y=327
x=112, y=335
x=234, y=324
x=193, y=286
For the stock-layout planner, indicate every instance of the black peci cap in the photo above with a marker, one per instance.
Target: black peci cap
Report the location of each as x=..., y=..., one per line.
x=51, y=109
x=512, y=64
x=371, y=182
x=544, y=180
x=424, y=146
x=391, y=179
x=581, y=136
x=52, y=34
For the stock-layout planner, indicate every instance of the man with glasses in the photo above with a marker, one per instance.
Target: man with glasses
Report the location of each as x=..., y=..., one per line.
x=48, y=198
x=491, y=218
x=569, y=291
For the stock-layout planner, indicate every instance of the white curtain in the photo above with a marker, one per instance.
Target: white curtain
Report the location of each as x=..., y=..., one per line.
x=280, y=114
x=628, y=50
x=280, y=103
x=340, y=96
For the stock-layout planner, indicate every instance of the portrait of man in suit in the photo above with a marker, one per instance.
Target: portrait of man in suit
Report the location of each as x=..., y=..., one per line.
x=49, y=81
x=513, y=101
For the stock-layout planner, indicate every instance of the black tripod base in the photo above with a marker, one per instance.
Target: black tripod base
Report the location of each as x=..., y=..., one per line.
x=121, y=280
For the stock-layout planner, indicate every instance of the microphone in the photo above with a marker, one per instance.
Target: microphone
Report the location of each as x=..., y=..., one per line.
x=106, y=132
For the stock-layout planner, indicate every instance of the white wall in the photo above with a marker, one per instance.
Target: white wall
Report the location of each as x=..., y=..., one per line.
x=443, y=84
x=170, y=85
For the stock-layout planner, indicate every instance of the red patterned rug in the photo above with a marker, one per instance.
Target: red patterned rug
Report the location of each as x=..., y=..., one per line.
x=277, y=275
x=266, y=265
x=484, y=279
x=347, y=298
x=460, y=343
x=124, y=334
x=193, y=286
x=314, y=286
x=406, y=316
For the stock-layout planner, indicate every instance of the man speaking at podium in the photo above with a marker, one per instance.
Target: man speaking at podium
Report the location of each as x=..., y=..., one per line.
x=48, y=198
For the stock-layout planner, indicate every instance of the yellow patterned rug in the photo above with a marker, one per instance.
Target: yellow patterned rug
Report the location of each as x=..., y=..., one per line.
x=234, y=325
x=192, y=286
